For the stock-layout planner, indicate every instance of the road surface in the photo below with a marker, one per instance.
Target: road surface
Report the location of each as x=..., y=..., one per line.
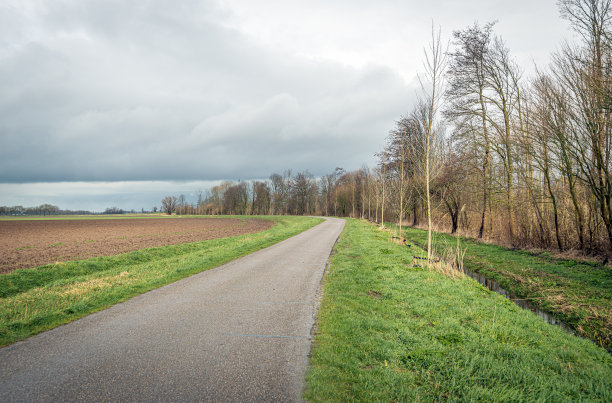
x=240, y=332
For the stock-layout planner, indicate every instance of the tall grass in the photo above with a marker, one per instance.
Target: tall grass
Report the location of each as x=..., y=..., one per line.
x=388, y=331
x=579, y=293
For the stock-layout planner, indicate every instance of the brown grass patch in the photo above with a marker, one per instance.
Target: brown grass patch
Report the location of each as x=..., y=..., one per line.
x=374, y=294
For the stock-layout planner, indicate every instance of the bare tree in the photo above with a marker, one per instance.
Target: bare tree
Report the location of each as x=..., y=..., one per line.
x=467, y=103
x=303, y=193
x=182, y=201
x=200, y=205
x=169, y=204
x=502, y=76
x=382, y=179
x=432, y=91
x=449, y=185
x=261, y=197
x=398, y=151
x=587, y=73
x=553, y=121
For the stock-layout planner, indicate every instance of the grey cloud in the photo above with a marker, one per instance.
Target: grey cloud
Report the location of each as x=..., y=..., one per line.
x=111, y=91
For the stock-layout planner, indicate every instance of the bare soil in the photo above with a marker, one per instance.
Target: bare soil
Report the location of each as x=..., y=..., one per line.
x=25, y=243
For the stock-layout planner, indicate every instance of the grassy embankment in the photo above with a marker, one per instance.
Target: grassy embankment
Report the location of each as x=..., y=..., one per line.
x=579, y=293
x=390, y=332
x=37, y=299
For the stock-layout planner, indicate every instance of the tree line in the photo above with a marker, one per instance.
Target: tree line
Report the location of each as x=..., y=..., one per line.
x=295, y=194
x=485, y=150
x=50, y=209
x=43, y=209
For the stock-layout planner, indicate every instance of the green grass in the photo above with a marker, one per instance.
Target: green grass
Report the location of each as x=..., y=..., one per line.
x=579, y=293
x=37, y=299
x=391, y=332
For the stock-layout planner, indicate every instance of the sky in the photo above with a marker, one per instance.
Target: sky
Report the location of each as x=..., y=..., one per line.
x=113, y=103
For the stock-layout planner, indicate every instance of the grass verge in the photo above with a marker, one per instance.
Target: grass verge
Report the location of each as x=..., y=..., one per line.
x=579, y=293
x=391, y=332
x=37, y=299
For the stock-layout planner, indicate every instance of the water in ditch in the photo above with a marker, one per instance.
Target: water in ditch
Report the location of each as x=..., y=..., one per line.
x=523, y=303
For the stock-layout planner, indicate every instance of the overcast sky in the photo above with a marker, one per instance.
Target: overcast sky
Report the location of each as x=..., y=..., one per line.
x=119, y=103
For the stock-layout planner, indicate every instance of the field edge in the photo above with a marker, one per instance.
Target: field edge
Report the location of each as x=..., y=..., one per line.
x=41, y=298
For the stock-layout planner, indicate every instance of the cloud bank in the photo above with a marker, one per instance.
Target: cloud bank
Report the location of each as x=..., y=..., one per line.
x=108, y=102
x=157, y=90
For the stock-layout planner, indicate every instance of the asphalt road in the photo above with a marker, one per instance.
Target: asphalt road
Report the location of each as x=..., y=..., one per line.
x=240, y=332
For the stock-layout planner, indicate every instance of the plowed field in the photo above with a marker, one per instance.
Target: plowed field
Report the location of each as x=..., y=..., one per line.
x=33, y=243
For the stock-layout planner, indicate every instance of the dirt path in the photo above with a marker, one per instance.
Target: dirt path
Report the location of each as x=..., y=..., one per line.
x=240, y=332
x=26, y=243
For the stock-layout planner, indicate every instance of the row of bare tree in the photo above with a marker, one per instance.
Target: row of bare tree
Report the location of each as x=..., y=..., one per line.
x=485, y=150
x=522, y=160
x=296, y=194
x=43, y=209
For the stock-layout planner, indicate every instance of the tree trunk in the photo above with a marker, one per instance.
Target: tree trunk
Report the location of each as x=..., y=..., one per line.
x=554, y=204
x=486, y=163
x=453, y=210
x=485, y=193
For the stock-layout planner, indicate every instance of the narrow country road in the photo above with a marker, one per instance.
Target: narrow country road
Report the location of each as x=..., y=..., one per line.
x=240, y=332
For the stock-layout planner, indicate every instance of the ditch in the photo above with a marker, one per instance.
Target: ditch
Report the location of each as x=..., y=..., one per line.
x=522, y=302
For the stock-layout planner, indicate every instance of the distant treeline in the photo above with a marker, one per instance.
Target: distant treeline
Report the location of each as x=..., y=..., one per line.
x=485, y=151
x=43, y=209
x=339, y=193
x=49, y=209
